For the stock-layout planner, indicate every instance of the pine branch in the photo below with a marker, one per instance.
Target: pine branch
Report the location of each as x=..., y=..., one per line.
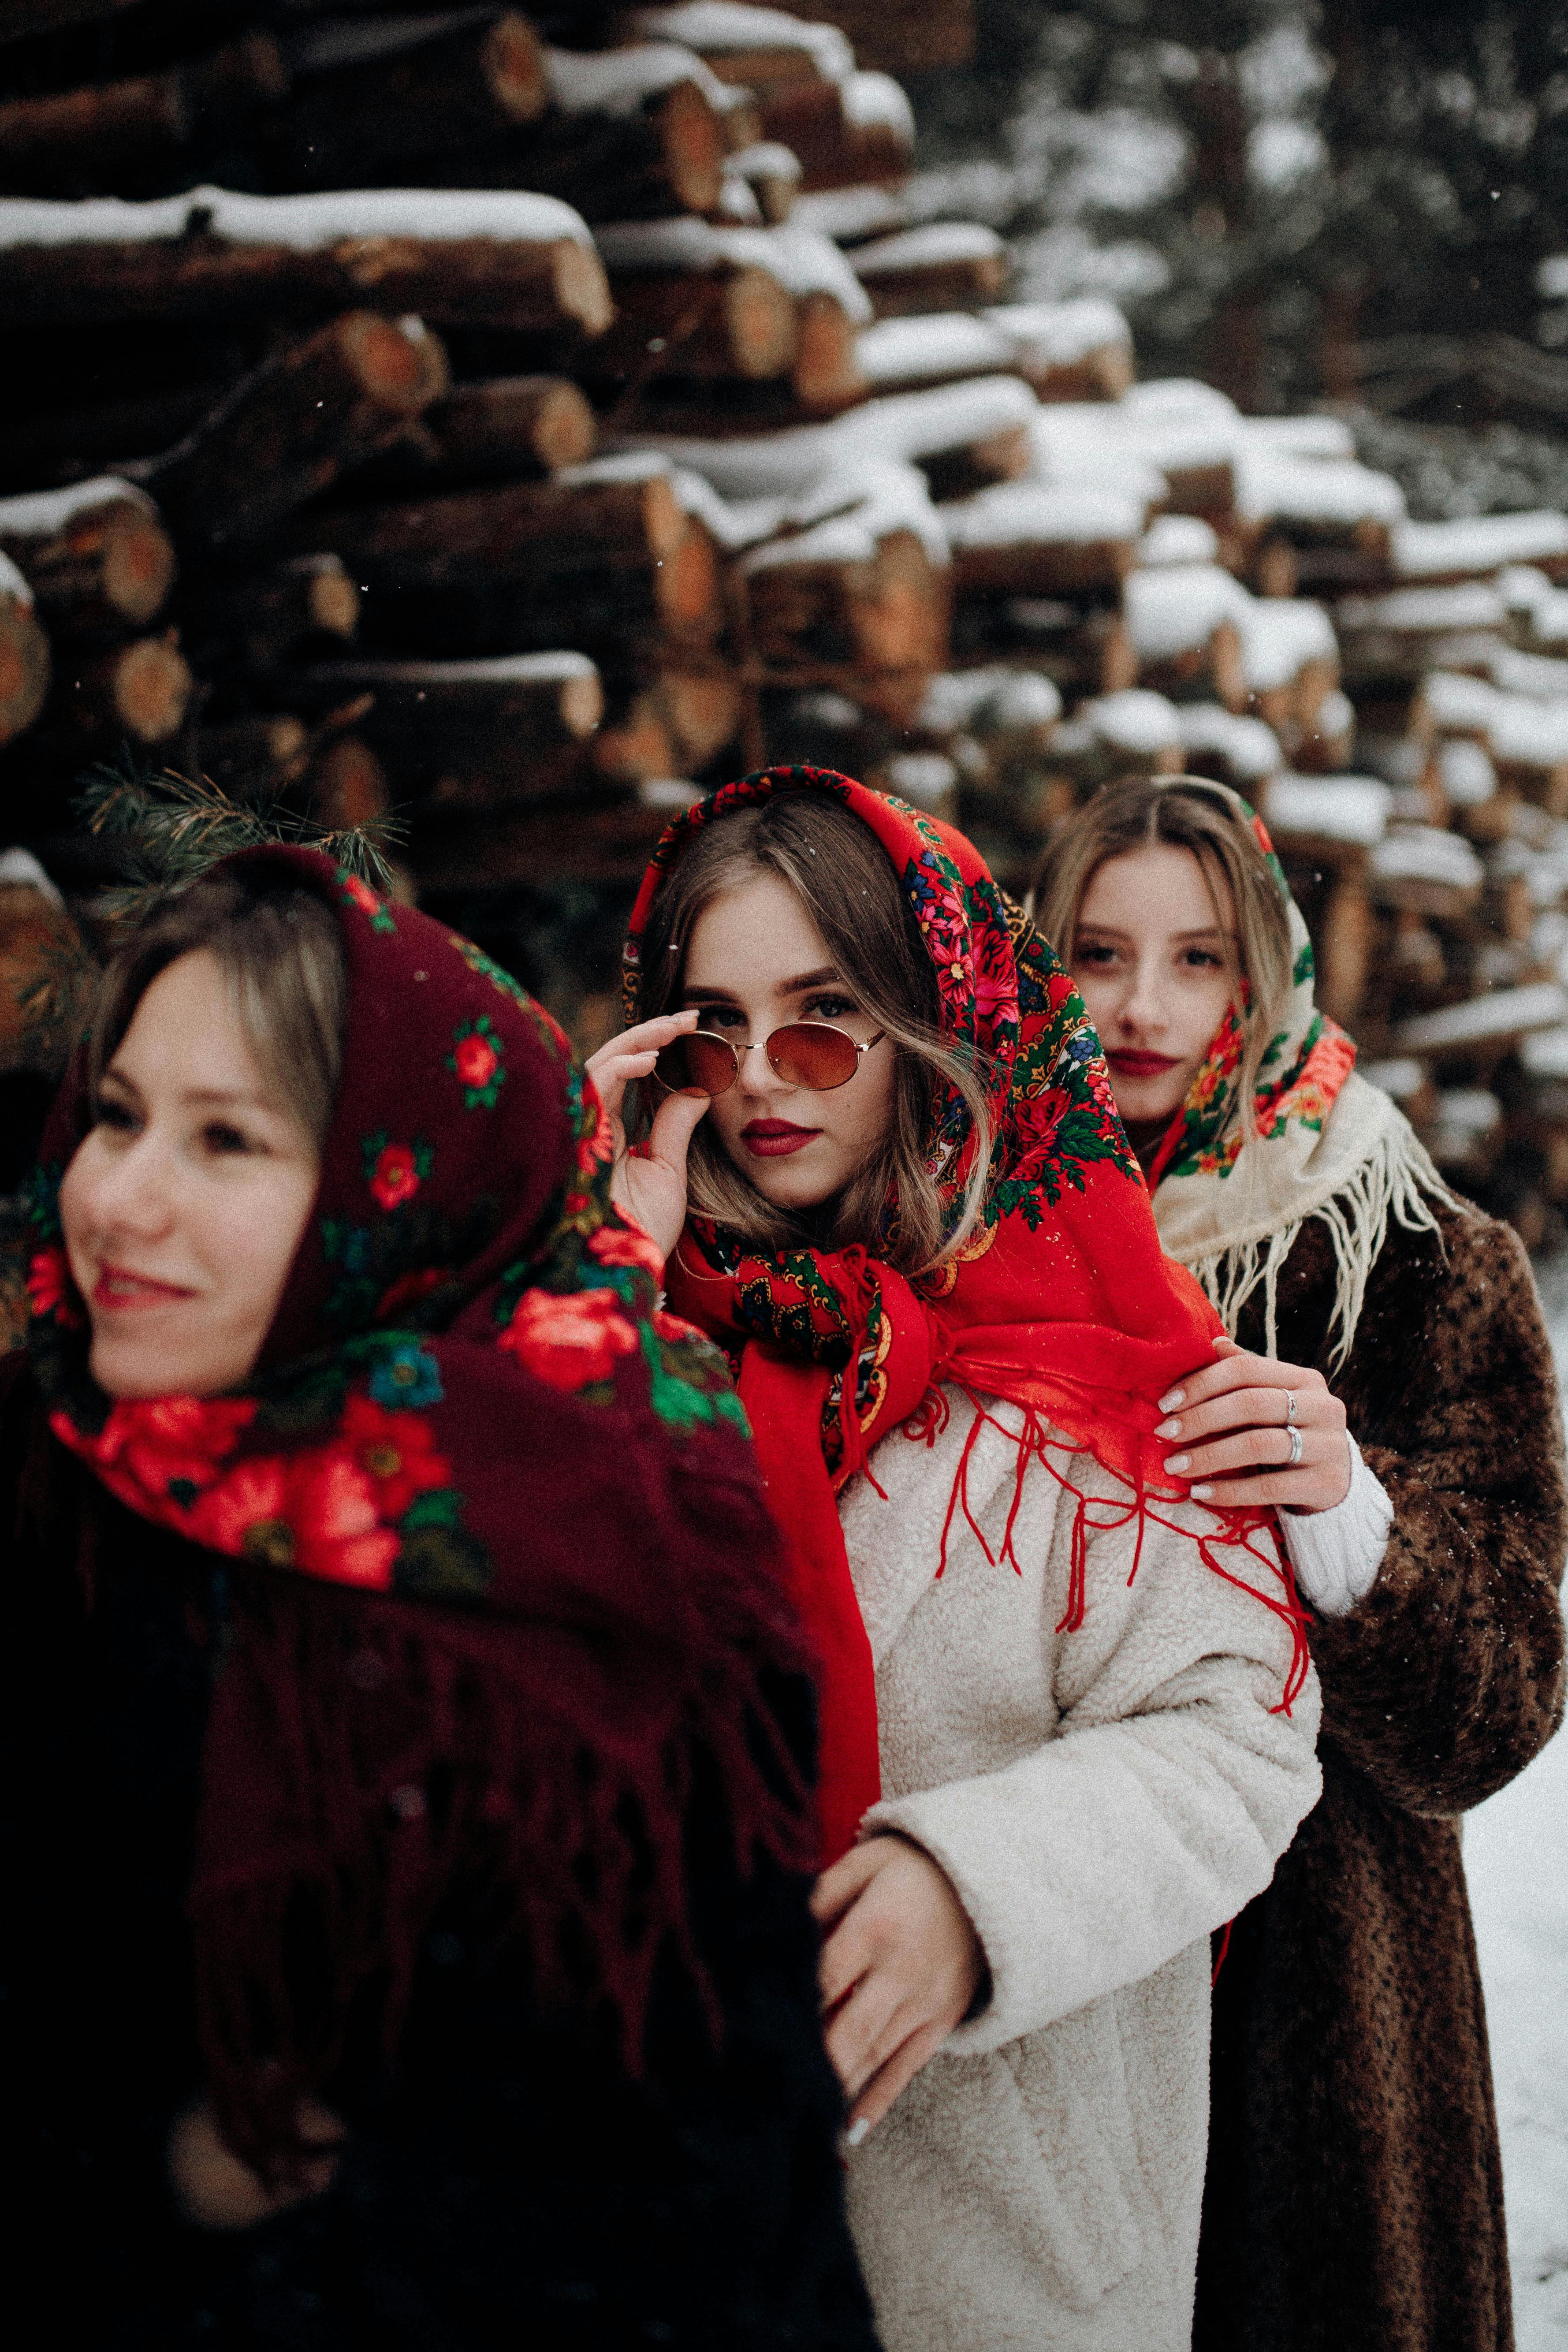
x=170, y=828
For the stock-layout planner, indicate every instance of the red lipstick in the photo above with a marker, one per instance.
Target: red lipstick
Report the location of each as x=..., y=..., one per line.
x=774, y=1139
x=1130, y=1065
x=118, y=1291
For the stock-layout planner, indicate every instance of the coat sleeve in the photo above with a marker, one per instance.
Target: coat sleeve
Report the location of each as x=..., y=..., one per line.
x=1447, y=1677
x=1173, y=1784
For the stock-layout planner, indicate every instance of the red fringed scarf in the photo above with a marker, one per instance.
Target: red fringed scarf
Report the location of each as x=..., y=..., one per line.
x=501, y=1562
x=1060, y=1301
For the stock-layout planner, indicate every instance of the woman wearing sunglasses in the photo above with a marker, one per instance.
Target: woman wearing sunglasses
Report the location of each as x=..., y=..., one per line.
x=1066, y=1717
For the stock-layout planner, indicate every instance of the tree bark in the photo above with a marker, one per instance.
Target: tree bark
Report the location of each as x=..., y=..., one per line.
x=516, y=530
x=591, y=836
x=834, y=152
x=1070, y=569
x=877, y=627
x=96, y=557
x=476, y=734
x=517, y=428
x=536, y=284
x=915, y=289
x=729, y=321
x=287, y=432
x=257, y=760
x=113, y=136
x=958, y=473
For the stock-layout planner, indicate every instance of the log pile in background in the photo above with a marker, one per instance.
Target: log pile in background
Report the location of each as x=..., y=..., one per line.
x=415, y=414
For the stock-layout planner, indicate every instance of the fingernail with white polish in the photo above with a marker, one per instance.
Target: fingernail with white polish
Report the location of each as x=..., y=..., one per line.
x=1200, y=1494
x=1177, y=1463
x=858, y=2131
x=1169, y=1429
x=1169, y=1404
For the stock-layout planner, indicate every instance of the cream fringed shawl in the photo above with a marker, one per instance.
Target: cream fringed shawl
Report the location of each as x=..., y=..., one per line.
x=1324, y=1144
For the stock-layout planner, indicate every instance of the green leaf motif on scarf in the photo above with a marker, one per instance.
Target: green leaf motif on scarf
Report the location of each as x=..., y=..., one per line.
x=688, y=1384
x=358, y=893
x=1306, y=965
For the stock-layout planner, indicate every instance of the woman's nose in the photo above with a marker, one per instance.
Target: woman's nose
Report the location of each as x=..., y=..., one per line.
x=758, y=1075
x=134, y=1192
x=1143, y=1009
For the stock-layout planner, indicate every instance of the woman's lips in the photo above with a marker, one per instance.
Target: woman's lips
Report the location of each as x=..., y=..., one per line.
x=1128, y=1064
x=118, y=1291
x=774, y=1139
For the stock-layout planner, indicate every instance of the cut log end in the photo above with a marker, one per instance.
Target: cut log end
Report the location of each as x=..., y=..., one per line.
x=348, y=785
x=142, y=690
x=692, y=137
x=331, y=600
x=688, y=579
x=582, y=705
x=139, y=567
x=826, y=371
x=582, y=289
x=24, y=669
x=514, y=69
x=395, y=362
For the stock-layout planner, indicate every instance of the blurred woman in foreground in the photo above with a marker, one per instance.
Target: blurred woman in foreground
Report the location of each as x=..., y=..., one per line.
x=1389, y=1388
x=408, y=1782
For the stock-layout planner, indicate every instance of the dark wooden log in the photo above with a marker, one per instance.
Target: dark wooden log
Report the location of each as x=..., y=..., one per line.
x=120, y=134
x=346, y=784
x=271, y=612
x=726, y=321
x=504, y=260
x=958, y=473
x=674, y=724
x=473, y=734
x=366, y=111
x=508, y=427
x=23, y=20
x=287, y=432
x=873, y=620
x=1084, y=649
x=96, y=556
x=512, y=531
x=24, y=654
x=587, y=835
x=817, y=119
x=948, y=265
x=255, y=759
x=900, y=37
x=138, y=693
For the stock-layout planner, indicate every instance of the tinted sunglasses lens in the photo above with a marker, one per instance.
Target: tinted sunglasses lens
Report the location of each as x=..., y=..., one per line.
x=705, y=1064
x=809, y=1054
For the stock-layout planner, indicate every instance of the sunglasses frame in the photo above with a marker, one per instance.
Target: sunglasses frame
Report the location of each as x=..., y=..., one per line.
x=760, y=1046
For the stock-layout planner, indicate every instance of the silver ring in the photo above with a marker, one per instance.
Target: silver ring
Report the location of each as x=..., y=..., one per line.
x=1289, y=1408
x=1295, y=1437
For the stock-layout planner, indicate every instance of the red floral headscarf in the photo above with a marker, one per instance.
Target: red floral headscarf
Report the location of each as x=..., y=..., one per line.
x=1060, y=1300
x=499, y=1534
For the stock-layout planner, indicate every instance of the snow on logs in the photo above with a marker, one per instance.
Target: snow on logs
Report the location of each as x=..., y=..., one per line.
x=945, y=265
x=96, y=556
x=519, y=261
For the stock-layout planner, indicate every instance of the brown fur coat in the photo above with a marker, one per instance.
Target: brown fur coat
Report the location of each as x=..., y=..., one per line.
x=1354, y=2197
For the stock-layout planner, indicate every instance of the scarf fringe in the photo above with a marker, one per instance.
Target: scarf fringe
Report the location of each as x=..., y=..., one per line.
x=1396, y=1180
x=1232, y=1531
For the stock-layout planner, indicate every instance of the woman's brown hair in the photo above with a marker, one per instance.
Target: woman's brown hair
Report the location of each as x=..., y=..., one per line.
x=277, y=942
x=846, y=882
x=1183, y=812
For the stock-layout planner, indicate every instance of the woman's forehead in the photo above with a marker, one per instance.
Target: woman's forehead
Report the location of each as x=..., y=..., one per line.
x=1161, y=887
x=757, y=934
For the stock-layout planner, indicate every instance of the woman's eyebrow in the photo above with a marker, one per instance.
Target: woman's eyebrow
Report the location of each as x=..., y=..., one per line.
x=805, y=980
x=710, y=996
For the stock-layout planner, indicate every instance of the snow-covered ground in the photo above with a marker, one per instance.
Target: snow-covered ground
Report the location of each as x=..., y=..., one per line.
x=1516, y=1858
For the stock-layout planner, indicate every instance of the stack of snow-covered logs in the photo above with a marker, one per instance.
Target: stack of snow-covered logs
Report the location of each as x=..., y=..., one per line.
x=533, y=436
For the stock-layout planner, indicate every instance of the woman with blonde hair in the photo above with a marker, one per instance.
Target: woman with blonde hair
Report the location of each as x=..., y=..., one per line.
x=1388, y=1386
x=1064, y=1731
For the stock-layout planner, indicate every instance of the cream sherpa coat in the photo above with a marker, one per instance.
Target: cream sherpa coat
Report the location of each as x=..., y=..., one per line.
x=1101, y=1800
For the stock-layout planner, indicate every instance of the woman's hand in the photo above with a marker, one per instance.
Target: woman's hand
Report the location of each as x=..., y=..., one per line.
x=1234, y=1417
x=651, y=1190
x=898, y=1971
x=216, y=2190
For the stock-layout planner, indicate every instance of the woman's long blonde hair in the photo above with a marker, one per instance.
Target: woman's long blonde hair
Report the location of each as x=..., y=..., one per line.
x=846, y=881
x=1183, y=812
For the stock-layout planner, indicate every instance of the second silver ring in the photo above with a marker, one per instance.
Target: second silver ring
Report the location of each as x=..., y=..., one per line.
x=1295, y=1437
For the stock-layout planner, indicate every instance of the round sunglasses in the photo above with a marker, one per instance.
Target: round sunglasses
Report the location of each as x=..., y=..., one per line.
x=810, y=1054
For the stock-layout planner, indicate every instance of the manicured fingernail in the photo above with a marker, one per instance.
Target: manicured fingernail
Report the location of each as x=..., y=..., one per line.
x=1177, y=1463
x=1169, y=1429
x=1200, y=1494
x=1176, y=1397
x=858, y=2130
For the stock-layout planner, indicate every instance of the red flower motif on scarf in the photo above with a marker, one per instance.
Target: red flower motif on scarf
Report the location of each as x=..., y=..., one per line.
x=255, y=1493
x=1036, y=1122
x=49, y=1286
x=476, y=1061
x=627, y=1245
x=337, y=1529
x=394, y=1171
x=596, y=1145
x=396, y=1450
x=570, y=1341
x=159, y=1443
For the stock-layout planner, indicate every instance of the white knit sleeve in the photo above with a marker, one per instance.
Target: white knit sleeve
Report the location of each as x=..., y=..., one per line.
x=1336, y=1554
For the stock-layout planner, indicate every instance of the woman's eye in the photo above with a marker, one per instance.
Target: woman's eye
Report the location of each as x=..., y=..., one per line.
x=219, y=1136
x=719, y=1017
x=1200, y=960
x=112, y=1114
x=831, y=1008
x=1095, y=954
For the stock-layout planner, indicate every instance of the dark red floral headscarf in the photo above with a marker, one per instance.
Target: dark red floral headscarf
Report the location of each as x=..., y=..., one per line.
x=503, y=1562
x=1060, y=1300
